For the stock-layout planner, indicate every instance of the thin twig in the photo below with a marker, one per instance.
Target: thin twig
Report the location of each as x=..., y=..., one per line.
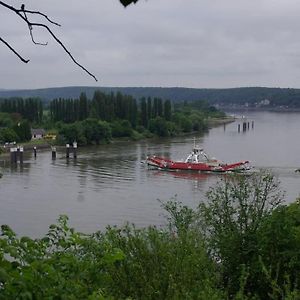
x=41, y=14
x=14, y=51
x=22, y=13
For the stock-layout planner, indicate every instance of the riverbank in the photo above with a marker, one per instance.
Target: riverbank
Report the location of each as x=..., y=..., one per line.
x=45, y=144
x=215, y=122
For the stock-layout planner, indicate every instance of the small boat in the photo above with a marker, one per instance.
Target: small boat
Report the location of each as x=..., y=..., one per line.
x=197, y=160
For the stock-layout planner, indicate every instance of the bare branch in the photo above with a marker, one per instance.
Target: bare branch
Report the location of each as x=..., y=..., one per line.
x=63, y=46
x=22, y=13
x=32, y=38
x=41, y=14
x=14, y=51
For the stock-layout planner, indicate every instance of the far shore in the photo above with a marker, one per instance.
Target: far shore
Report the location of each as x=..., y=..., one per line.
x=43, y=144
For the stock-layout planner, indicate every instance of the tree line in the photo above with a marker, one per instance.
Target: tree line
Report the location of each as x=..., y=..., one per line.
x=29, y=108
x=119, y=115
x=110, y=107
x=103, y=117
x=17, y=116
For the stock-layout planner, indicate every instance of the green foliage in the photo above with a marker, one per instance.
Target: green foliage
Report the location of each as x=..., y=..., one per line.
x=251, y=238
x=23, y=131
x=62, y=265
x=279, y=244
x=121, y=129
x=125, y=116
x=30, y=108
x=85, y=132
x=160, y=265
x=8, y=135
x=159, y=126
x=241, y=244
x=6, y=120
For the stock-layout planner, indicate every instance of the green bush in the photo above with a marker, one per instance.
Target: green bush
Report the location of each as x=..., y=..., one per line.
x=240, y=244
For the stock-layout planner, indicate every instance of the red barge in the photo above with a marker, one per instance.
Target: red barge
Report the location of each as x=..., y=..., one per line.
x=199, y=161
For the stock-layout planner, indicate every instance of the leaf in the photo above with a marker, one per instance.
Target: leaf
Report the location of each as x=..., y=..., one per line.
x=3, y=275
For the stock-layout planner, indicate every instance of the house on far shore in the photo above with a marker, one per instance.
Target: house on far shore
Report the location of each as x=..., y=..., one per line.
x=37, y=134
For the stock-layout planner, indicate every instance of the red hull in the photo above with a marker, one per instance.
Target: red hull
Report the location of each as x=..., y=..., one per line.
x=213, y=166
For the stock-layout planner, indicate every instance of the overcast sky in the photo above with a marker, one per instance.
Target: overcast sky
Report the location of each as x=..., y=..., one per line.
x=186, y=43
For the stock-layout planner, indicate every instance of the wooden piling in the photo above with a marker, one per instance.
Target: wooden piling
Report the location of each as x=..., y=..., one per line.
x=75, y=149
x=34, y=151
x=53, y=150
x=13, y=155
x=239, y=127
x=67, y=150
x=21, y=151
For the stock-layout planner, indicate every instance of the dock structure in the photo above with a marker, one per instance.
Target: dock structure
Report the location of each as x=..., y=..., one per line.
x=16, y=153
x=244, y=125
x=71, y=148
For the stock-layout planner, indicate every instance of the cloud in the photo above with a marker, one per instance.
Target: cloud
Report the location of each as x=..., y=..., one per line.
x=207, y=43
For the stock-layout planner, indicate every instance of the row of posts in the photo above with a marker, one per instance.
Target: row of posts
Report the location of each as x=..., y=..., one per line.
x=245, y=126
x=16, y=153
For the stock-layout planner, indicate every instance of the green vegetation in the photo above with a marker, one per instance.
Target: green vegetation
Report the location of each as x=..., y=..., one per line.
x=13, y=128
x=105, y=116
x=117, y=115
x=242, y=243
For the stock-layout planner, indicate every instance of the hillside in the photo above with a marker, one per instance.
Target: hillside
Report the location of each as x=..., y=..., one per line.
x=249, y=96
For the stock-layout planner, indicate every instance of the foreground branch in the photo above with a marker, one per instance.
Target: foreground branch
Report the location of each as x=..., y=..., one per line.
x=14, y=51
x=23, y=14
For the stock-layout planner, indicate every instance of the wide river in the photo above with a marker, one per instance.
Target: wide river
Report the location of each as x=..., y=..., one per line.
x=108, y=185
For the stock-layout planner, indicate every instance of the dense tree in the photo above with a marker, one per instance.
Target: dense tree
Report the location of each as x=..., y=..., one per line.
x=8, y=135
x=144, y=114
x=83, y=107
x=159, y=126
x=149, y=108
x=88, y=131
x=233, y=217
x=167, y=110
x=23, y=131
x=29, y=108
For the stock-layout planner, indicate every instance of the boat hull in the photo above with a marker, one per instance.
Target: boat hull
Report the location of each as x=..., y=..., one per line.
x=167, y=164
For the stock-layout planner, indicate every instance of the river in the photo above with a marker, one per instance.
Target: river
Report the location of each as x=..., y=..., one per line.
x=108, y=185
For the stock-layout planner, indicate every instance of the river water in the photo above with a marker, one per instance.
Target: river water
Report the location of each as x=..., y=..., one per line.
x=108, y=185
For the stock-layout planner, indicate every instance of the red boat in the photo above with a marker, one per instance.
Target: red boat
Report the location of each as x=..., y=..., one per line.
x=199, y=161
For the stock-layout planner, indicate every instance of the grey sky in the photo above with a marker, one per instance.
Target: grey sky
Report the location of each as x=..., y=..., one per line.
x=188, y=43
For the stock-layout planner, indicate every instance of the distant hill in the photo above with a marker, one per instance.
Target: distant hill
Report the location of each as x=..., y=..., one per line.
x=248, y=96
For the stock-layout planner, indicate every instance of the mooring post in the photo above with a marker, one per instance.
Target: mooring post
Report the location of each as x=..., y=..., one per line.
x=21, y=150
x=53, y=150
x=248, y=125
x=13, y=155
x=34, y=151
x=239, y=127
x=67, y=150
x=244, y=126
x=75, y=149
